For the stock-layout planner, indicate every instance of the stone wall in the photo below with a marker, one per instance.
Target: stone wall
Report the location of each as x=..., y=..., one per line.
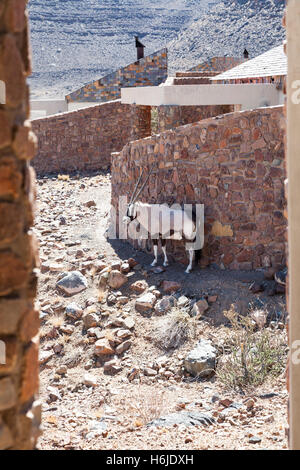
x=19, y=321
x=218, y=64
x=234, y=165
x=83, y=140
x=150, y=71
x=169, y=117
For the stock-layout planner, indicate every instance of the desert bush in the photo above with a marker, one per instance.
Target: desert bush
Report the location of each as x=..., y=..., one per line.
x=253, y=354
x=174, y=330
x=147, y=406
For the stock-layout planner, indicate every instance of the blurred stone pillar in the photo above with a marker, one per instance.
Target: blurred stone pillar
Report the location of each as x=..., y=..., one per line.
x=19, y=321
x=293, y=167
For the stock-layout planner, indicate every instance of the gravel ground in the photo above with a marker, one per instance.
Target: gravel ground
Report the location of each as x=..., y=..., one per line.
x=85, y=407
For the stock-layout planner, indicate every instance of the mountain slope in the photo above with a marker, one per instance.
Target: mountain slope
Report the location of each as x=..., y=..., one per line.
x=227, y=29
x=75, y=42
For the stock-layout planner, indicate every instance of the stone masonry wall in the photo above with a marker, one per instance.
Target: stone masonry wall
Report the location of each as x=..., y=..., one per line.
x=19, y=321
x=170, y=117
x=83, y=140
x=234, y=165
x=150, y=71
x=218, y=64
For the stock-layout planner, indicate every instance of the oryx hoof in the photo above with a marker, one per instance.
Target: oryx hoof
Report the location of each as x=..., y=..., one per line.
x=188, y=270
x=166, y=264
x=154, y=263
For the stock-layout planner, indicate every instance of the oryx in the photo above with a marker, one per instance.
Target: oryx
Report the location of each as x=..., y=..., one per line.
x=162, y=222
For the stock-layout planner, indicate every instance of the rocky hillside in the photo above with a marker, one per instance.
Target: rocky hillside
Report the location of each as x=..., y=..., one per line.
x=226, y=29
x=75, y=42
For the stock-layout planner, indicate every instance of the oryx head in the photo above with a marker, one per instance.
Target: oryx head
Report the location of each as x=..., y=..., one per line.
x=131, y=212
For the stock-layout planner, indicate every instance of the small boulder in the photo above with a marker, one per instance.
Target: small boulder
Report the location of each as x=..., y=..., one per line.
x=199, y=308
x=164, y=305
x=201, y=361
x=103, y=347
x=116, y=279
x=90, y=203
x=90, y=320
x=45, y=356
x=128, y=323
x=125, y=268
x=123, y=347
x=139, y=286
x=183, y=301
x=132, y=263
x=72, y=283
x=170, y=287
x=145, y=303
x=90, y=381
x=73, y=311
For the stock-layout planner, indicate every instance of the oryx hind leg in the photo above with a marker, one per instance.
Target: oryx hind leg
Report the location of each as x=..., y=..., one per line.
x=190, y=266
x=164, y=250
x=155, y=251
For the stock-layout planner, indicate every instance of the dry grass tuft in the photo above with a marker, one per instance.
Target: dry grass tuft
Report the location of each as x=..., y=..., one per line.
x=174, y=330
x=146, y=406
x=253, y=355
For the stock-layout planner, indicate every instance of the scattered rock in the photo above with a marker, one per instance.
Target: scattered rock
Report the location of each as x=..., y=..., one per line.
x=139, y=286
x=53, y=394
x=183, y=301
x=103, y=347
x=73, y=283
x=116, y=279
x=74, y=311
x=226, y=402
x=132, y=263
x=128, y=323
x=67, y=329
x=201, y=361
x=123, y=347
x=150, y=372
x=157, y=270
x=90, y=204
x=62, y=370
x=199, y=308
x=254, y=440
x=90, y=381
x=90, y=320
x=185, y=418
x=58, y=348
x=145, y=303
x=171, y=286
x=45, y=356
x=164, y=305
x=125, y=268
x=112, y=366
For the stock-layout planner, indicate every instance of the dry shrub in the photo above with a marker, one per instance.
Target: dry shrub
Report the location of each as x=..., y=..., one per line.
x=174, y=330
x=252, y=355
x=146, y=406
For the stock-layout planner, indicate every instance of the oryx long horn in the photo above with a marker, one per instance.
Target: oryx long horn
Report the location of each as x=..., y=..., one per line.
x=136, y=186
x=144, y=184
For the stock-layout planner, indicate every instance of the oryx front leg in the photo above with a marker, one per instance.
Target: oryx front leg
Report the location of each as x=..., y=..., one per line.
x=190, y=266
x=164, y=250
x=155, y=250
